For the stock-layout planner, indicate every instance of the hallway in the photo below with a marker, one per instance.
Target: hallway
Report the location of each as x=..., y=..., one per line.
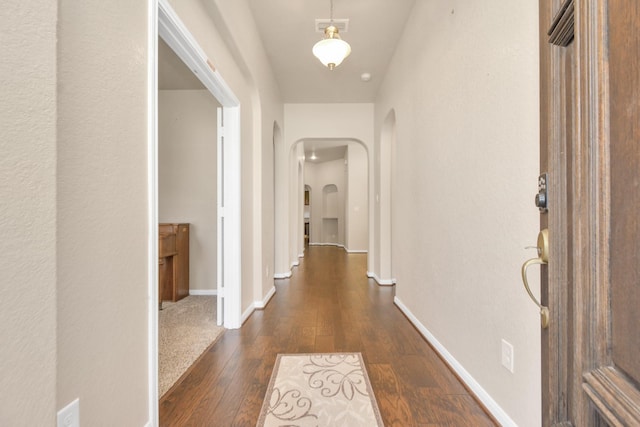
x=328, y=305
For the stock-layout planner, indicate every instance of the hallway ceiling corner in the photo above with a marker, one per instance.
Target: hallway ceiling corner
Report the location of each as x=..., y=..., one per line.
x=288, y=33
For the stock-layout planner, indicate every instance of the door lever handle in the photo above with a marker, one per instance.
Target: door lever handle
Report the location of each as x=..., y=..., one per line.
x=543, y=258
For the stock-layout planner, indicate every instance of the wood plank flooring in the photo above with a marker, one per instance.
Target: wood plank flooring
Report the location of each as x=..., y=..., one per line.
x=328, y=305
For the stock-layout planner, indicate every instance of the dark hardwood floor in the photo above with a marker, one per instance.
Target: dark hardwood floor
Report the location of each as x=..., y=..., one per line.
x=328, y=305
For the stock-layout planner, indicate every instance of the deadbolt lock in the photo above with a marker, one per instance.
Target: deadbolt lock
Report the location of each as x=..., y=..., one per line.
x=541, y=198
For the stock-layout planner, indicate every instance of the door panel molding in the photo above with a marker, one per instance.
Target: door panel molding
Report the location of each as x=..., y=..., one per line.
x=614, y=395
x=581, y=386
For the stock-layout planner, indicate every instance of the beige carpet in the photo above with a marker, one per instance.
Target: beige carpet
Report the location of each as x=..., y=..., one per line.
x=321, y=389
x=185, y=329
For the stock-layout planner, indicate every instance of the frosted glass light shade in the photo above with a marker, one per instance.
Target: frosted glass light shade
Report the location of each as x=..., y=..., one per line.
x=331, y=51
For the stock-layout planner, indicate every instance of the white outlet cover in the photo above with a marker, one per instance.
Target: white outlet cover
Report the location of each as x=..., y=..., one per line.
x=69, y=416
x=507, y=355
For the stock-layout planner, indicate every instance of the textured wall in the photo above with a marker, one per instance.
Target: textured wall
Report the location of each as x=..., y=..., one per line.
x=464, y=87
x=240, y=59
x=323, y=121
x=102, y=211
x=187, y=175
x=28, y=213
x=357, y=210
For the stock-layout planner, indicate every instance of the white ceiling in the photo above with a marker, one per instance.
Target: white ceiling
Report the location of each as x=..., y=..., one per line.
x=287, y=29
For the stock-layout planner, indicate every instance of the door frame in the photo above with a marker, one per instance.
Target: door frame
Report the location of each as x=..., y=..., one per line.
x=164, y=22
x=580, y=384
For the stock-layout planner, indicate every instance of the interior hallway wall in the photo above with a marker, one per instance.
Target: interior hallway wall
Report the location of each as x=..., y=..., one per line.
x=102, y=232
x=327, y=224
x=239, y=57
x=464, y=86
x=28, y=213
x=324, y=121
x=187, y=176
x=357, y=203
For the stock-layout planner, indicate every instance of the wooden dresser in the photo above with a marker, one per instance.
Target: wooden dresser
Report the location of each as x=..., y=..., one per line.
x=173, y=262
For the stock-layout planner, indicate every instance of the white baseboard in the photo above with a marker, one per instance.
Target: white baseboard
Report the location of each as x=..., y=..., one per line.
x=203, y=292
x=379, y=281
x=257, y=305
x=301, y=255
x=248, y=312
x=295, y=264
x=356, y=251
x=262, y=304
x=484, y=397
x=282, y=275
x=326, y=244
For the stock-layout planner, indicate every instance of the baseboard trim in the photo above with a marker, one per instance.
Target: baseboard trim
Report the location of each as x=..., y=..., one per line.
x=259, y=305
x=248, y=312
x=356, y=251
x=481, y=394
x=295, y=264
x=282, y=275
x=379, y=281
x=203, y=292
x=327, y=244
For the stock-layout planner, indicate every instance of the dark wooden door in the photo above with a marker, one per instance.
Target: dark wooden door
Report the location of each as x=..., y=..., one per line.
x=590, y=147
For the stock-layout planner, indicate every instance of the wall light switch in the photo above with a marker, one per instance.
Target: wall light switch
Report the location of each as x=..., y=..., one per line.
x=507, y=356
x=69, y=416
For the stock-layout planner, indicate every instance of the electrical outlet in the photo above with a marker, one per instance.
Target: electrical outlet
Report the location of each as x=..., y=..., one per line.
x=69, y=416
x=507, y=356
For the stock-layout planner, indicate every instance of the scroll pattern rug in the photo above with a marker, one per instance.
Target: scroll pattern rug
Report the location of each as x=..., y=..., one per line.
x=320, y=389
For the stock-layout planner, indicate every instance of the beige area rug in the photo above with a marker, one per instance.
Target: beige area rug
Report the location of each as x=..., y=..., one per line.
x=185, y=329
x=321, y=389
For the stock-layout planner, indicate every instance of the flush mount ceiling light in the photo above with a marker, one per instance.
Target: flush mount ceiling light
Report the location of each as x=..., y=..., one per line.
x=331, y=50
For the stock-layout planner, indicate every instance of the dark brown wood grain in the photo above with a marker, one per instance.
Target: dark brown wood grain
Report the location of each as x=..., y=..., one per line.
x=589, y=90
x=328, y=305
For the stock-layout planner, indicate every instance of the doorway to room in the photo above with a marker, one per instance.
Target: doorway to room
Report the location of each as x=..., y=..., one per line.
x=226, y=215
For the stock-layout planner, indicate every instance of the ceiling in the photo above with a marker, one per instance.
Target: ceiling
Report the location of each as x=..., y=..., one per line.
x=287, y=29
x=324, y=150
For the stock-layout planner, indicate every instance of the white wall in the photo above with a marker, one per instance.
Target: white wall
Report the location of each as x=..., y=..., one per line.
x=464, y=86
x=357, y=209
x=324, y=217
x=239, y=57
x=102, y=227
x=308, y=121
x=187, y=176
x=28, y=213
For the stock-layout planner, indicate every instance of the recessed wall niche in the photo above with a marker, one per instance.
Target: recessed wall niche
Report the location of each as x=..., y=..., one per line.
x=330, y=204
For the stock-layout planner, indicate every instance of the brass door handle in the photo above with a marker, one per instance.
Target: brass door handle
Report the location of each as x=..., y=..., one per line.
x=543, y=258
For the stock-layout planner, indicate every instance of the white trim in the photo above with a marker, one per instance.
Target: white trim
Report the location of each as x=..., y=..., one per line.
x=262, y=304
x=198, y=292
x=295, y=264
x=279, y=276
x=232, y=280
x=152, y=212
x=248, y=312
x=327, y=244
x=379, y=281
x=482, y=395
x=301, y=255
x=178, y=37
x=356, y=251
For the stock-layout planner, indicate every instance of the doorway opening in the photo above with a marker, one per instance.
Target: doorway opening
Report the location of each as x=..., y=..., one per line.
x=165, y=24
